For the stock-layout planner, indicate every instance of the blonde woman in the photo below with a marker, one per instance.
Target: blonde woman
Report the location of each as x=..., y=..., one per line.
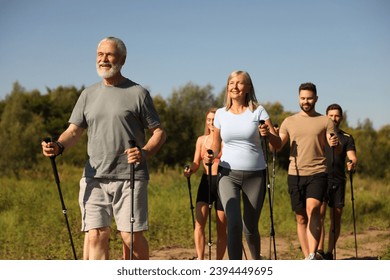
x=204, y=143
x=242, y=167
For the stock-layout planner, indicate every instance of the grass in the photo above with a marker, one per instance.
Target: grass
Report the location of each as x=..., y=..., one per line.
x=33, y=225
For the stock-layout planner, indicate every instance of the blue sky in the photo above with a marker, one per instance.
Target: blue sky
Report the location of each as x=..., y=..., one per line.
x=343, y=46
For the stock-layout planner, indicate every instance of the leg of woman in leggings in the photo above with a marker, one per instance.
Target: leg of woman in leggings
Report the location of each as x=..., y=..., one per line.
x=253, y=195
x=229, y=190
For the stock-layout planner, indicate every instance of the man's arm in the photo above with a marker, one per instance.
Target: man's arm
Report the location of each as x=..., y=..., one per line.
x=284, y=140
x=351, y=165
x=155, y=142
x=67, y=139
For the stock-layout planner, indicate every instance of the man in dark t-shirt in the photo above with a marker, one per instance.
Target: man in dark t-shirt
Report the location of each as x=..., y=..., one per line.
x=335, y=196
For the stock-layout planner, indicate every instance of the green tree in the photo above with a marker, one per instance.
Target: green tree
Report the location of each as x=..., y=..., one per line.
x=183, y=120
x=365, y=138
x=20, y=131
x=381, y=152
x=60, y=102
x=57, y=106
x=161, y=107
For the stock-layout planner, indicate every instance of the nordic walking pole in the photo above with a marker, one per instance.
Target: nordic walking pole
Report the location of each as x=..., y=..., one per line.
x=64, y=210
x=353, y=209
x=189, y=191
x=210, y=152
x=334, y=202
x=132, y=178
x=272, y=229
x=273, y=192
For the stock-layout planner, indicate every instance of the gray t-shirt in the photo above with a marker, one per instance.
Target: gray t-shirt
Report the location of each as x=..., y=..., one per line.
x=113, y=115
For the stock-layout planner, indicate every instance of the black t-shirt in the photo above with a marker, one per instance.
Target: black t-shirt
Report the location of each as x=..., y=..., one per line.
x=337, y=176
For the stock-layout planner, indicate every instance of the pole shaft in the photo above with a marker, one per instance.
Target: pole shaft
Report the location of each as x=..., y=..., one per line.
x=272, y=228
x=353, y=212
x=334, y=204
x=64, y=210
x=209, y=200
x=191, y=204
x=132, y=179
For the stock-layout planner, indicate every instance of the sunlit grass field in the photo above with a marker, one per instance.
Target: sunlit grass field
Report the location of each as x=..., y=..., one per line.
x=33, y=225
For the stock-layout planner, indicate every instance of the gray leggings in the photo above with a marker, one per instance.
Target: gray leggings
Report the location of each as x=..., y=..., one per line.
x=253, y=187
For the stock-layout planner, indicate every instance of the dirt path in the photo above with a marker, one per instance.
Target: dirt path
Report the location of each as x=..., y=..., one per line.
x=370, y=245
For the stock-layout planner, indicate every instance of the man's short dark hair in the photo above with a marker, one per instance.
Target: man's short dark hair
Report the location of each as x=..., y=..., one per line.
x=308, y=86
x=334, y=107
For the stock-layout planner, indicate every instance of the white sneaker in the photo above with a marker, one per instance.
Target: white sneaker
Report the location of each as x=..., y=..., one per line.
x=311, y=257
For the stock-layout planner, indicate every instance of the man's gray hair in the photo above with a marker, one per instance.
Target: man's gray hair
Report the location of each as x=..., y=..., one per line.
x=119, y=44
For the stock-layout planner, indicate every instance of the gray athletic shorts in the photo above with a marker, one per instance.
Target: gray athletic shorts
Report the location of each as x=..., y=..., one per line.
x=102, y=199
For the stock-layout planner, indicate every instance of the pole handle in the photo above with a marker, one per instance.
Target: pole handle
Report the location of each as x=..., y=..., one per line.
x=210, y=152
x=132, y=143
x=48, y=140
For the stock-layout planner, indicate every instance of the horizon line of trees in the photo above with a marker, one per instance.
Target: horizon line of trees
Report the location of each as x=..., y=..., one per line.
x=26, y=117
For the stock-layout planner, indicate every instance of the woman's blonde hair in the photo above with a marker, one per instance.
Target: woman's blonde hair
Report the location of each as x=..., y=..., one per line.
x=206, y=128
x=250, y=98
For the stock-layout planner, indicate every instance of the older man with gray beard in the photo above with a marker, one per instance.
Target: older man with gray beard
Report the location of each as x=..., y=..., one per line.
x=113, y=111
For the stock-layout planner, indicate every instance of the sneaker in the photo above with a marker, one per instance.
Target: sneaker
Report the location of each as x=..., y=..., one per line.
x=328, y=256
x=311, y=257
x=320, y=255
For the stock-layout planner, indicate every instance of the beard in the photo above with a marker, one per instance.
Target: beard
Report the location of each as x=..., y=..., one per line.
x=107, y=74
x=307, y=107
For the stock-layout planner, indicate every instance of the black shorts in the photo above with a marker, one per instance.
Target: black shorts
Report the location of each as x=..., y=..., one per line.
x=302, y=187
x=203, y=191
x=335, y=194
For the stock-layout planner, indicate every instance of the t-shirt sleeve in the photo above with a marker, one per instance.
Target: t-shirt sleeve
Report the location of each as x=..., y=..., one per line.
x=77, y=117
x=217, y=116
x=329, y=126
x=283, y=127
x=351, y=144
x=261, y=114
x=150, y=116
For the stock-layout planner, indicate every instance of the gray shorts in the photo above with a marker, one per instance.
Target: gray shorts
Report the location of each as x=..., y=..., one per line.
x=102, y=199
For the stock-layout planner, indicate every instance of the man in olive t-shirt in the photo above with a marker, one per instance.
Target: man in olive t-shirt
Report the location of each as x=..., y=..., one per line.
x=307, y=178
